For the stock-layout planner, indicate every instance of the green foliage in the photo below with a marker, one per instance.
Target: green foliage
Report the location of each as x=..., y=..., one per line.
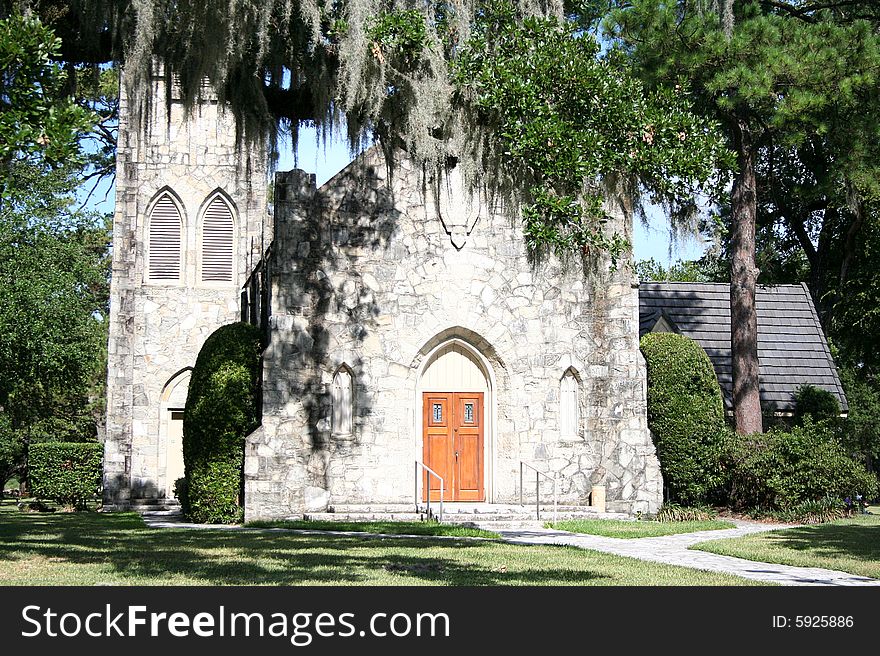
x=180, y=492
x=685, y=415
x=54, y=279
x=861, y=429
x=816, y=403
x=824, y=510
x=564, y=119
x=681, y=271
x=802, y=80
x=779, y=470
x=54, y=262
x=12, y=451
x=400, y=34
x=222, y=407
x=851, y=287
x=39, y=125
x=69, y=473
x=672, y=512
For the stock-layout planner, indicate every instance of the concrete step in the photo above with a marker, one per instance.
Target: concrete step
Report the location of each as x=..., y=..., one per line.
x=150, y=505
x=162, y=514
x=364, y=517
x=514, y=519
x=458, y=508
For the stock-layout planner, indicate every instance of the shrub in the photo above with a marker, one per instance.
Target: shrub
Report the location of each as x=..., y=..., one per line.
x=672, y=512
x=816, y=512
x=181, y=493
x=816, y=403
x=66, y=472
x=781, y=470
x=861, y=429
x=685, y=415
x=221, y=409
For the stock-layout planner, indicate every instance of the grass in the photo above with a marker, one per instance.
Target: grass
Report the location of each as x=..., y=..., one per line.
x=617, y=528
x=117, y=549
x=847, y=545
x=389, y=528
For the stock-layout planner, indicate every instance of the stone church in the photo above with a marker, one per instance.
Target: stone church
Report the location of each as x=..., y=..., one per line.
x=403, y=329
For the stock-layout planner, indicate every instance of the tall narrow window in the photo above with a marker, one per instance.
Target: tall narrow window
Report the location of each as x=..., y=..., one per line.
x=342, y=402
x=164, y=240
x=568, y=405
x=218, y=241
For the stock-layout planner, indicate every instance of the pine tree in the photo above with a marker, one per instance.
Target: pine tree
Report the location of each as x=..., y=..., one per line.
x=771, y=73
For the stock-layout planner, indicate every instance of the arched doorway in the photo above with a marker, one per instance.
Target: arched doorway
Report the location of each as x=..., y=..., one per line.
x=171, y=430
x=454, y=411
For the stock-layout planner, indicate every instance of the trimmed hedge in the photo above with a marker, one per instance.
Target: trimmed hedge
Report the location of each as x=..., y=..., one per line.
x=221, y=409
x=66, y=472
x=781, y=470
x=686, y=417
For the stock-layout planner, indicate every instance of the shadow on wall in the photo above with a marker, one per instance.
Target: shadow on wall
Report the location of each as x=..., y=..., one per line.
x=350, y=221
x=143, y=489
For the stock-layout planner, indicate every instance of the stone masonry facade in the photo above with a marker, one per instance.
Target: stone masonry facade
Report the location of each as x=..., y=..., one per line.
x=373, y=273
x=157, y=328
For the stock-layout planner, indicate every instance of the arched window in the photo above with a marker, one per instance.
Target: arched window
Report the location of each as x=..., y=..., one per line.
x=218, y=241
x=342, y=401
x=164, y=240
x=568, y=405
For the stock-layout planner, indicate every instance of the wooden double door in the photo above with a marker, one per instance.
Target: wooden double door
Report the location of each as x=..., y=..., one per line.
x=452, y=431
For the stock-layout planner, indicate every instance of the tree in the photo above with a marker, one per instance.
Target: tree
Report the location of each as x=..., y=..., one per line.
x=392, y=70
x=39, y=123
x=772, y=73
x=53, y=260
x=53, y=289
x=682, y=271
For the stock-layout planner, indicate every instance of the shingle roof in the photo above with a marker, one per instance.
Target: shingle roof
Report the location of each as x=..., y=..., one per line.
x=792, y=349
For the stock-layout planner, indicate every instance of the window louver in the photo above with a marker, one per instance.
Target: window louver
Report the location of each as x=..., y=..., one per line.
x=217, y=242
x=165, y=240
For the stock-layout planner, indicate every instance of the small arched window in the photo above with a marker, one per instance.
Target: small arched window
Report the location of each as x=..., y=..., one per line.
x=342, y=401
x=218, y=241
x=568, y=405
x=164, y=240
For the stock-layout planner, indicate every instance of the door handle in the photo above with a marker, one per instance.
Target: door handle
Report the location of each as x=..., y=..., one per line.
x=456, y=455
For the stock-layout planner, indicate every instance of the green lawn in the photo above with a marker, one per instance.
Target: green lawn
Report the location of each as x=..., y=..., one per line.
x=617, y=528
x=391, y=528
x=847, y=545
x=117, y=549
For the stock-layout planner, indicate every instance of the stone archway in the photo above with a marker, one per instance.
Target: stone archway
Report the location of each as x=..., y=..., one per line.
x=455, y=411
x=173, y=402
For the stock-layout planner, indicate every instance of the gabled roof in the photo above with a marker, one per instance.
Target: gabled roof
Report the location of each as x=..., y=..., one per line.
x=792, y=349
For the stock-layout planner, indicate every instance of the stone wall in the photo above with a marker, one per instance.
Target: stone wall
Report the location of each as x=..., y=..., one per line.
x=157, y=329
x=372, y=274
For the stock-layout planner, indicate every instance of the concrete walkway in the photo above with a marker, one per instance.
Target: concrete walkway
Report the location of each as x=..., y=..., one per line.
x=670, y=549
x=673, y=550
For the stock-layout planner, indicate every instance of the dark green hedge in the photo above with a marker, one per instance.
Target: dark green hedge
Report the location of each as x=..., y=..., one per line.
x=221, y=409
x=686, y=417
x=66, y=472
x=781, y=469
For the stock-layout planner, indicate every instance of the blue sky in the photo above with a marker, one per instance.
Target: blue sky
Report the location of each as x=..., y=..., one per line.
x=652, y=241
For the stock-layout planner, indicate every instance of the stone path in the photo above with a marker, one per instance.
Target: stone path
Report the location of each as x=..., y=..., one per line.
x=673, y=550
x=670, y=549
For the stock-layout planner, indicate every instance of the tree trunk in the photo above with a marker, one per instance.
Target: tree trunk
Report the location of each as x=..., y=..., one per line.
x=743, y=277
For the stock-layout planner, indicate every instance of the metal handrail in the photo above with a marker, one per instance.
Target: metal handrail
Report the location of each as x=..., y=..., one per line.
x=439, y=478
x=538, y=474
